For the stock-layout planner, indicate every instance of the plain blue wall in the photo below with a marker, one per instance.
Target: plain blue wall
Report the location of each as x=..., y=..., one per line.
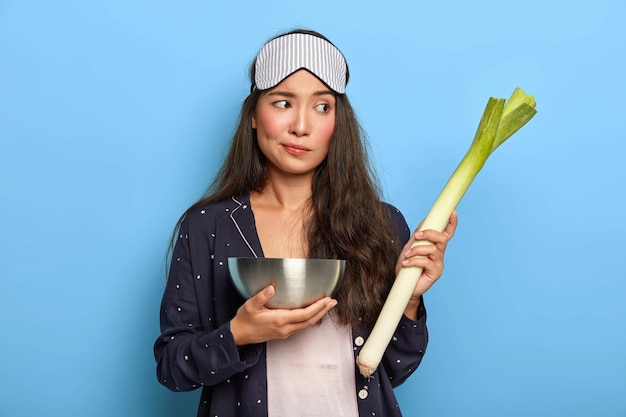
x=114, y=114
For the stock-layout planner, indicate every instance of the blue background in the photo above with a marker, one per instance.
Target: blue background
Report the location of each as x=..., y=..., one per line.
x=113, y=118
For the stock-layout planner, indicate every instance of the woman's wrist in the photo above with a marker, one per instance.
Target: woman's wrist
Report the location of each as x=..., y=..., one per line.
x=235, y=330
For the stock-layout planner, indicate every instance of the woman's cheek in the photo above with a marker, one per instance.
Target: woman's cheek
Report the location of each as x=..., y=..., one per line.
x=327, y=130
x=268, y=123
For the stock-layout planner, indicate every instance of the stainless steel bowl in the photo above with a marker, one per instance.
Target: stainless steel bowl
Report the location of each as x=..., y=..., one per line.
x=298, y=282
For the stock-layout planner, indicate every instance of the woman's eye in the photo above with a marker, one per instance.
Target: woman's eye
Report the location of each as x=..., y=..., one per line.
x=324, y=108
x=282, y=104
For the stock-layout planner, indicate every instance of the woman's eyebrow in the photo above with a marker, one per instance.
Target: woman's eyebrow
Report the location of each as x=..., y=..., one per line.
x=323, y=92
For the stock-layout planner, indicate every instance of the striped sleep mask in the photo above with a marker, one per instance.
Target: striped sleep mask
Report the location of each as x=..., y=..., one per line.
x=284, y=55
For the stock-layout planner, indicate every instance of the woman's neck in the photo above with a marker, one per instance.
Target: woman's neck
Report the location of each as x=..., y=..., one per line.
x=280, y=212
x=286, y=192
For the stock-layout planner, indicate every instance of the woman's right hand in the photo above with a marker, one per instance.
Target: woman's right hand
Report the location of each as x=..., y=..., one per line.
x=256, y=323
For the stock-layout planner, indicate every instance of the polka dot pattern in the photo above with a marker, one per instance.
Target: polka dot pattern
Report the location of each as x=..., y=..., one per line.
x=196, y=350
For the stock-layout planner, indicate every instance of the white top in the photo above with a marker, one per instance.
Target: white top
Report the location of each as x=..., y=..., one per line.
x=311, y=373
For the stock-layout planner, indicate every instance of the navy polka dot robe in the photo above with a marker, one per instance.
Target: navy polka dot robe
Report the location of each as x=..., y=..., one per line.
x=196, y=348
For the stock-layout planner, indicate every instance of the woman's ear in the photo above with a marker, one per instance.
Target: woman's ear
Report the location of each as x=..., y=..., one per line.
x=253, y=121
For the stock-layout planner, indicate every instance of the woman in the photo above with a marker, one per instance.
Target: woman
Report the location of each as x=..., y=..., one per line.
x=296, y=183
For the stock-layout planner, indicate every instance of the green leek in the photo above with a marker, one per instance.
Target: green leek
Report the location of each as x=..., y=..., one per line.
x=500, y=121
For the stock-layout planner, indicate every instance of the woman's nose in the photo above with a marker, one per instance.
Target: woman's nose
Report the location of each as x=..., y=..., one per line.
x=300, y=124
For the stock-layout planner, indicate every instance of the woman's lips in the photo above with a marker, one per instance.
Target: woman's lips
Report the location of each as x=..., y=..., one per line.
x=295, y=149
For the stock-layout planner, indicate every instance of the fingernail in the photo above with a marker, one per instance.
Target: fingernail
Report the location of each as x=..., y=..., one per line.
x=269, y=290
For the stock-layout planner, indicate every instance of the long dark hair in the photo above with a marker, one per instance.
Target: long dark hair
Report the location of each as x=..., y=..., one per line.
x=346, y=219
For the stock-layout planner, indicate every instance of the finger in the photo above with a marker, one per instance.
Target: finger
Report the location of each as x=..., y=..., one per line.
x=329, y=306
x=428, y=263
x=431, y=236
x=302, y=315
x=261, y=298
x=426, y=234
x=452, y=223
x=421, y=251
x=312, y=319
x=430, y=268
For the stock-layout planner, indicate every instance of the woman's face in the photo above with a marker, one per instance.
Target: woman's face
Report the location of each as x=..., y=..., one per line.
x=294, y=122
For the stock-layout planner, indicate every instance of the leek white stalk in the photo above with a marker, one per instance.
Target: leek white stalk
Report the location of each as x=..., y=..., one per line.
x=498, y=123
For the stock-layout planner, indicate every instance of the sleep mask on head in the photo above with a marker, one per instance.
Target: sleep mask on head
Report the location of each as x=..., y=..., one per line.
x=284, y=55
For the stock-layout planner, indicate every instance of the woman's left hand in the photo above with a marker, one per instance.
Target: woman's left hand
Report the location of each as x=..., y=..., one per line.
x=429, y=257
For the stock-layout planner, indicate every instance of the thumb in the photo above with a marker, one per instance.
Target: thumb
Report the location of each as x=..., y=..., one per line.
x=262, y=297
